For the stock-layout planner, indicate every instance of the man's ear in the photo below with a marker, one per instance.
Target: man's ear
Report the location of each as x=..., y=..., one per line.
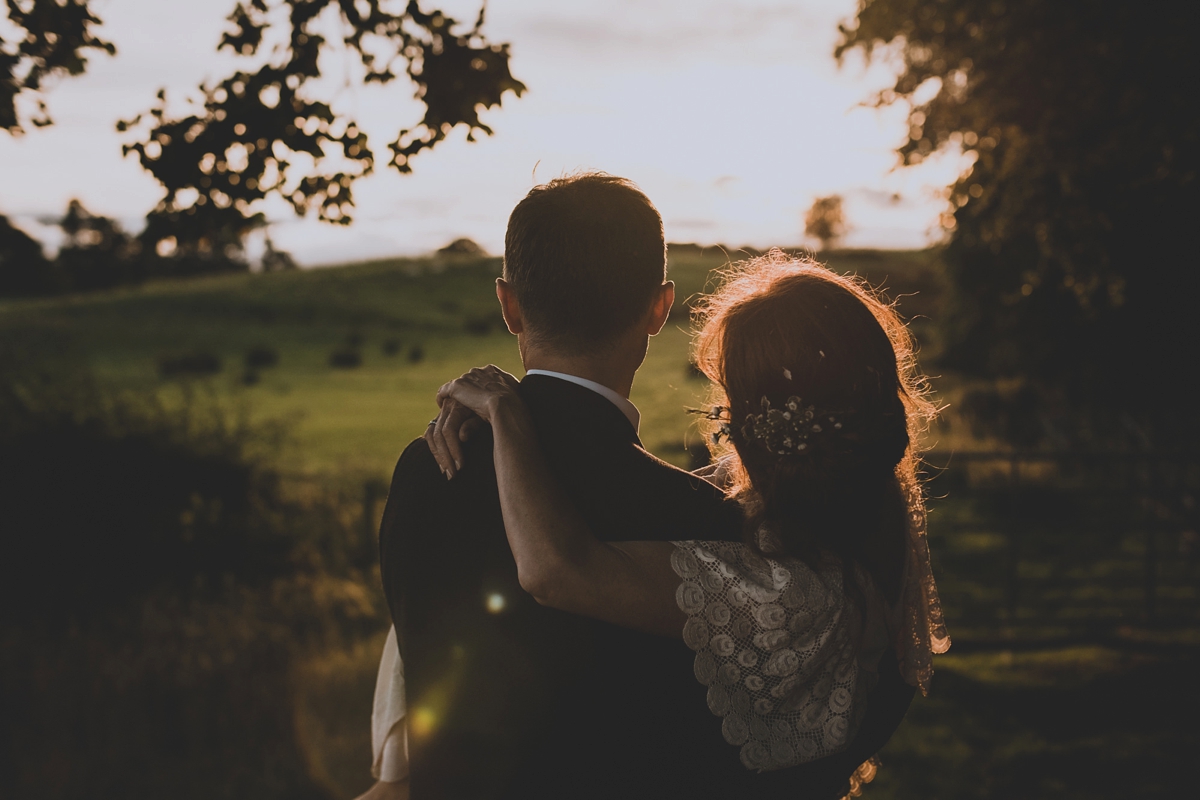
x=509, y=307
x=661, y=308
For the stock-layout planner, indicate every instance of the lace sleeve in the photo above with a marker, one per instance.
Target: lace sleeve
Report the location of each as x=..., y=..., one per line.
x=775, y=646
x=922, y=632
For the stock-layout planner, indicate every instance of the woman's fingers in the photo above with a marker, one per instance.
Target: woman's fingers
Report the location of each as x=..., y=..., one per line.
x=469, y=427
x=429, y=437
x=437, y=447
x=473, y=391
x=453, y=417
x=477, y=386
x=464, y=405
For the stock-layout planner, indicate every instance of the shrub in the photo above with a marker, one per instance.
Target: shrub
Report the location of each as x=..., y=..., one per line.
x=482, y=325
x=261, y=357
x=416, y=354
x=390, y=347
x=158, y=585
x=195, y=364
x=345, y=358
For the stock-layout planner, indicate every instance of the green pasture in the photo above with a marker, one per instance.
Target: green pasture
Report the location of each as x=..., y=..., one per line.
x=354, y=421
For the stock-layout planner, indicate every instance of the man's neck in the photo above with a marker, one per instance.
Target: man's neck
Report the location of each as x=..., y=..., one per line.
x=606, y=371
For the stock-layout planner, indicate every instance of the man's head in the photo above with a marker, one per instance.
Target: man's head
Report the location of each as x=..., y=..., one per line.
x=585, y=261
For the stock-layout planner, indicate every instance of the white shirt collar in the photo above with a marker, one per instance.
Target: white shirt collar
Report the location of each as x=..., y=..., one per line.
x=622, y=403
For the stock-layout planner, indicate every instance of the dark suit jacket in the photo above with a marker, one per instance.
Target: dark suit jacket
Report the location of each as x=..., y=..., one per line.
x=510, y=699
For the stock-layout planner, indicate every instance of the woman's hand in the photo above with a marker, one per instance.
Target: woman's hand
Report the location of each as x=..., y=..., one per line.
x=480, y=395
x=560, y=562
x=485, y=390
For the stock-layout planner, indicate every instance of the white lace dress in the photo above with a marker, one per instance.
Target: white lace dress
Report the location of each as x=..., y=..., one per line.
x=787, y=660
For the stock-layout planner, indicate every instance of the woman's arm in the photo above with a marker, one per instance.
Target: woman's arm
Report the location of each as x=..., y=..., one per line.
x=559, y=561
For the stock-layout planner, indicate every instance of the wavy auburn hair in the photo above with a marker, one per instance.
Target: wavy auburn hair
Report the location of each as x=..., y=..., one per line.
x=782, y=326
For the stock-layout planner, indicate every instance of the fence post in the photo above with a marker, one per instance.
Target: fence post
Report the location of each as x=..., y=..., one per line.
x=1014, y=546
x=1151, y=572
x=1151, y=512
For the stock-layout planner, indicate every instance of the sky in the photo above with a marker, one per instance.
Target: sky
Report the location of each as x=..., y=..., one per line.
x=732, y=115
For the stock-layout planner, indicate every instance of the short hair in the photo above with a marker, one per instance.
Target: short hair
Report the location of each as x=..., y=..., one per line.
x=585, y=256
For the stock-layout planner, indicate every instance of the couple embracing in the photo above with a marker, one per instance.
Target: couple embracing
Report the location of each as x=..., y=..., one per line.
x=576, y=618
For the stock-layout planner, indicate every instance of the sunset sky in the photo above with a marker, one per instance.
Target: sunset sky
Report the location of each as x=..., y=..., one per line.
x=732, y=115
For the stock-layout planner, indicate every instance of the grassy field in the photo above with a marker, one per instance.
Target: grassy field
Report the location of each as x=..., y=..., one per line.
x=437, y=317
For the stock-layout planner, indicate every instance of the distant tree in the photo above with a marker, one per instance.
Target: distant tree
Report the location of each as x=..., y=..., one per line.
x=96, y=253
x=1070, y=249
x=826, y=220
x=24, y=269
x=462, y=247
x=277, y=260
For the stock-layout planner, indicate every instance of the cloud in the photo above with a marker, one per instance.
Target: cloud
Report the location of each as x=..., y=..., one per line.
x=781, y=30
x=694, y=224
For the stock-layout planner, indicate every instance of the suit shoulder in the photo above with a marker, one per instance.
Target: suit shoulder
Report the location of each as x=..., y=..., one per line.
x=416, y=453
x=416, y=463
x=669, y=472
x=418, y=470
x=700, y=507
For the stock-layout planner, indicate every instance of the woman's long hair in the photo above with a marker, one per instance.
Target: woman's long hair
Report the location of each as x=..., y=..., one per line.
x=782, y=327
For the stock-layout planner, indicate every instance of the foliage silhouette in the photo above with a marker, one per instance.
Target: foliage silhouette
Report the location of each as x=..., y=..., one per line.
x=242, y=142
x=53, y=37
x=260, y=132
x=1068, y=235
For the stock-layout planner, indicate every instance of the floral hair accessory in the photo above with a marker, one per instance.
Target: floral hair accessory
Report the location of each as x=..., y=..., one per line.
x=792, y=429
x=720, y=413
x=783, y=431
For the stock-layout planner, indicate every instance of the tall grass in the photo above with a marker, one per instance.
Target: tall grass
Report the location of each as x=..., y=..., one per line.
x=161, y=592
